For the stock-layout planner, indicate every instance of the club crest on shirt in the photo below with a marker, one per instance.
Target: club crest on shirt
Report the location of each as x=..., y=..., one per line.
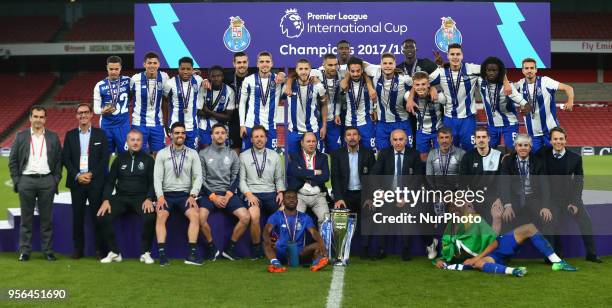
x=447, y=34
x=141, y=166
x=236, y=38
x=226, y=160
x=291, y=24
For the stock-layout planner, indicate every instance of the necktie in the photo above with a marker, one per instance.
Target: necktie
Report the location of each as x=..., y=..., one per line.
x=398, y=164
x=523, y=172
x=557, y=155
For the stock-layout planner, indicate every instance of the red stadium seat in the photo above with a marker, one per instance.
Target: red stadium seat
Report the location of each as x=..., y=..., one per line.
x=96, y=28
x=28, y=29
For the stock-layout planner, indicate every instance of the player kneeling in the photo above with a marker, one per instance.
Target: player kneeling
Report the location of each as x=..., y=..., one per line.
x=290, y=226
x=476, y=245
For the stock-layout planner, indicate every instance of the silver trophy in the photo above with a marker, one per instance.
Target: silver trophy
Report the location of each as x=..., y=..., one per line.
x=338, y=230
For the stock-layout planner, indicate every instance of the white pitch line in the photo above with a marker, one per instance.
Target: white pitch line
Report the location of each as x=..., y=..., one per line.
x=334, y=297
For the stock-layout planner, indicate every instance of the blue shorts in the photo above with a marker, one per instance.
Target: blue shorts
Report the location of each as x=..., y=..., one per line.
x=232, y=205
x=283, y=255
x=117, y=137
x=508, y=132
x=153, y=137
x=368, y=135
x=271, y=144
x=383, y=133
x=292, y=143
x=191, y=140
x=204, y=137
x=177, y=200
x=539, y=141
x=507, y=247
x=463, y=131
x=267, y=202
x=333, y=139
x=424, y=142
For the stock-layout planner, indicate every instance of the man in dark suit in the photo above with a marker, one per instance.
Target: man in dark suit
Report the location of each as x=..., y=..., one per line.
x=85, y=156
x=348, y=166
x=35, y=164
x=567, y=180
x=525, y=190
x=308, y=172
x=405, y=166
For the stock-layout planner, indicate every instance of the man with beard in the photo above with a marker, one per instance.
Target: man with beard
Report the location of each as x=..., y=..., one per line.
x=306, y=102
x=329, y=75
x=177, y=181
x=218, y=106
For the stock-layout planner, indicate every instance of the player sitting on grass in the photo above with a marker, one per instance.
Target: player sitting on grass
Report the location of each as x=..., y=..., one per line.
x=476, y=245
x=289, y=225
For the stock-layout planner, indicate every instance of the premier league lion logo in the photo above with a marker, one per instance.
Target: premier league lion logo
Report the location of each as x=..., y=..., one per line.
x=236, y=38
x=447, y=34
x=291, y=24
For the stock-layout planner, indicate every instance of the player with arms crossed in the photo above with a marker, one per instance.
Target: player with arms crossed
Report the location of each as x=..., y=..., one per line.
x=111, y=98
x=290, y=226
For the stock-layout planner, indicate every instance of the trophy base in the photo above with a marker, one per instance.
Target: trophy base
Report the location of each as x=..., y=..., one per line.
x=339, y=263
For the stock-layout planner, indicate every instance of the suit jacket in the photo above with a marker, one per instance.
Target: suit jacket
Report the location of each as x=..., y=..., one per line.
x=340, y=169
x=20, y=153
x=411, y=165
x=97, y=161
x=298, y=174
x=511, y=187
x=567, y=182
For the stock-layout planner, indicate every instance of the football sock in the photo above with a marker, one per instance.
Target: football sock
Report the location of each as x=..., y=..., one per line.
x=495, y=268
x=161, y=248
x=544, y=247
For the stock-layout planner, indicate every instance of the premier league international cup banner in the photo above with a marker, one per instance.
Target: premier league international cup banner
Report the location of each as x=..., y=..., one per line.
x=211, y=32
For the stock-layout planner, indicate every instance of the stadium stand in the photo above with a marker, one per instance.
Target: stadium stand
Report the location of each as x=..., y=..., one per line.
x=19, y=93
x=96, y=28
x=80, y=87
x=28, y=29
x=581, y=25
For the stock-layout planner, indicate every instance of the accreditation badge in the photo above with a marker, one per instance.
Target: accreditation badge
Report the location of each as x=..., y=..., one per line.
x=84, y=163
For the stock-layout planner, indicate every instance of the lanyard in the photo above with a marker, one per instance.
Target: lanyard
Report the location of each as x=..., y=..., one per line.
x=259, y=169
x=393, y=87
x=292, y=235
x=412, y=70
x=494, y=97
x=445, y=165
x=42, y=145
x=355, y=101
x=152, y=95
x=236, y=89
x=336, y=92
x=309, y=89
x=184, y=96
x=264, y=96
x=209, y=98
x=532, y=98
x=454, y=85
x=177, y=168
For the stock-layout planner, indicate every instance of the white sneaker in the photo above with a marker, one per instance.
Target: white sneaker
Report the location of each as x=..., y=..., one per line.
x=432, y=252
x=146, y=258
x=112, y=257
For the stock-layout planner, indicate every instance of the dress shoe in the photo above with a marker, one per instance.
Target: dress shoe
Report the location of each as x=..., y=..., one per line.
x=380, y=255
x=24, y=257
x=77, y=254
x=406, y=254
x=50, y=257
x=593, y=258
